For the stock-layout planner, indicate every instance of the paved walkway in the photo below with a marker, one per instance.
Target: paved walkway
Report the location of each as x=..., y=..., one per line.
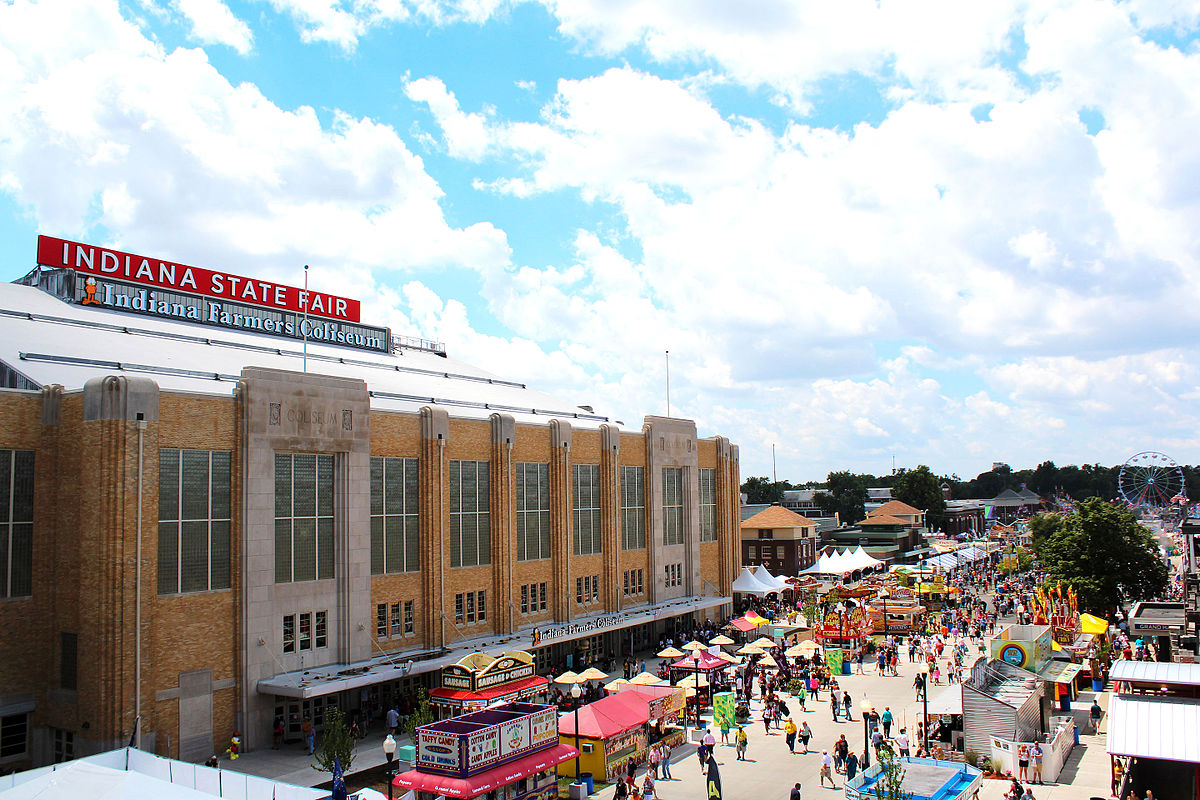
x=769, y=771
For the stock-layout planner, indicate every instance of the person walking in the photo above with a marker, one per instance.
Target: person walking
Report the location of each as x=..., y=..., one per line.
x=886, y=720
x=805, y=735
x=848, y=705
x=664, y=762
x=827, y=769
x=740, y=741
x=902, y=742
x=834, y=706
x=767, y=711
x=277, y=733
x=653, y=759
x=795, y=795
x=1095, y=714
x=1035, y=761
x=814, y=686
x=789, y=734
x=393, y=719
x=851, y=766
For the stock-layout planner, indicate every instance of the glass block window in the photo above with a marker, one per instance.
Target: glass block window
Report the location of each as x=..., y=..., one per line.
x=585, y=490
x=16, y=523
x=633, y=508
x=470, y=532
x=395, y=534
x=533, y=511
x=194, y=519
x=672, y=505
x=303, y=517
x=708, y=505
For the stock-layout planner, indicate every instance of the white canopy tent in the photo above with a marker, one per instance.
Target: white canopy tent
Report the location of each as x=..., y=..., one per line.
x=764, y=575
x=96, y=782
x=748, y=583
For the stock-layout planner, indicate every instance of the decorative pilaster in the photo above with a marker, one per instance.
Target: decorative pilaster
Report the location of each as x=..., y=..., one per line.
x=610, y=515
x=561, y=545
x=434, y=511
x=502, y=501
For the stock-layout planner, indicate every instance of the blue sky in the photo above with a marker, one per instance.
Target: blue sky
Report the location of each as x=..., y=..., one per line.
x=949, y=233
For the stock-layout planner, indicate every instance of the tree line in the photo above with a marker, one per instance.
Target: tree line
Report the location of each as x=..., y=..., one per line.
x=846, y=492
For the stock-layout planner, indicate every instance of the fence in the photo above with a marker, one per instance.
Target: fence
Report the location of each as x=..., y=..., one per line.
x=1055, y=750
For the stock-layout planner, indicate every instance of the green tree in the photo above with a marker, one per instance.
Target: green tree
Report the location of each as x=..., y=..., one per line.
x=890, y=784
x=422, y=715
x=920, y=488
x=1103, y=552
x=336, y=742
x=845, y=494
x=764, y=490
x=810, y=609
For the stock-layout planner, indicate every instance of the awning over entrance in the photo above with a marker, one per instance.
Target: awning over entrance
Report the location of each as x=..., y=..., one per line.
x=330, y=678
x=507, y=692
x=1147, y=726
x=485, y=781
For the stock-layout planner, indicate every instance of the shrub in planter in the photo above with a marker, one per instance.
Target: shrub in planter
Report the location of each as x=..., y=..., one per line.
x=795, y=686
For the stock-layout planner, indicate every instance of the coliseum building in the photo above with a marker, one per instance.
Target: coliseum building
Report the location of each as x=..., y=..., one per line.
x=211, y=518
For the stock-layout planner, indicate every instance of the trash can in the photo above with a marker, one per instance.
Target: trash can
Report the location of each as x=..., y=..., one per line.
x=1066, y=702
x=1097, y=686
x=586, y=779
x=577, y=791
x=1076, y=730
x=846, y=668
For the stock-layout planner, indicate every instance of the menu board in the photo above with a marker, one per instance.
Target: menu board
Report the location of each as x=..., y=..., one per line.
x=508, y=740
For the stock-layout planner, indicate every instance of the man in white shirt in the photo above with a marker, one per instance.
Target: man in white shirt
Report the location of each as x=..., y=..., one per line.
x=902, y=742
x=827, y=769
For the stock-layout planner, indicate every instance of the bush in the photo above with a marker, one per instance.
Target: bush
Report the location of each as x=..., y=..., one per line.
x=795, y=686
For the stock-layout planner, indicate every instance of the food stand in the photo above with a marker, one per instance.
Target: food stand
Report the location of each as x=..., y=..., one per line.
x=509, y=752
x=612, y=732
x=666, y=705
x=479, y=680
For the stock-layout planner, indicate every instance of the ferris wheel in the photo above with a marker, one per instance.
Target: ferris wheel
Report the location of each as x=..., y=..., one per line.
x=1150, y=479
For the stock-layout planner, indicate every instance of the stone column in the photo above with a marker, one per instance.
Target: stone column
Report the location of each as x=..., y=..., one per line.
x=610, y=515
x=561, y=543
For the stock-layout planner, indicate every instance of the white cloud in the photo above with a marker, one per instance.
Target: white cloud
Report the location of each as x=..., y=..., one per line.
x=213, y=23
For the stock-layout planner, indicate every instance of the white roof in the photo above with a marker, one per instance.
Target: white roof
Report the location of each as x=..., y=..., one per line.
x=81, y=779
x=948, y=701
x=764, y=576
x=1149, y=726
x=1161, y=672
x=50, y=341
x=748, y=583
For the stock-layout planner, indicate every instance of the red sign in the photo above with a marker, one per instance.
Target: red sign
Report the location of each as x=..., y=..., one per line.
x=108, y=263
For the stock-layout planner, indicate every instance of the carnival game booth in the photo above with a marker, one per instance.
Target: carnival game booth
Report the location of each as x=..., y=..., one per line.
x=613, y=731
x=479, y=680
x=842, y=634
x=1032, y=648
x=896, y=615
x=508, y=752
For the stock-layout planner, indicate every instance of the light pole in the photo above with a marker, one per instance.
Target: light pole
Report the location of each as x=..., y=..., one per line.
x=867, y=707
x=883, y=595
x=841, y=609
x=575, y=693
x=925, y=704
x=389, y=751
x=696, y=679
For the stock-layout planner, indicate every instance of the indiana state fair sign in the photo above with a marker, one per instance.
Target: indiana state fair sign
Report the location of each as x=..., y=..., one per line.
x=137, y=284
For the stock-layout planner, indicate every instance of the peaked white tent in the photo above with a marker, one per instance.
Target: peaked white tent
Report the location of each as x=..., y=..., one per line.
x=748, y=583
x=764, y=575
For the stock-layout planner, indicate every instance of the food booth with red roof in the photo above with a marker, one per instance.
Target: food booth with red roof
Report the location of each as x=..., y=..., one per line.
x=508, y=752
x=479, y=680
x=612, y=732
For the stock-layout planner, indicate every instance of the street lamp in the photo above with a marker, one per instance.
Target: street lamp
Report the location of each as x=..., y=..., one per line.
x=841, y=610
x=574, y=679
x=867, y=707
x=696, y=678
x=925, y=703
x=883, y=595
x=389, y=751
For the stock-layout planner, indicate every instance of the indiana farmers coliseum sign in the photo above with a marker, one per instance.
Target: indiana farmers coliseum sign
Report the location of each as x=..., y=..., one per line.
x=140, y=284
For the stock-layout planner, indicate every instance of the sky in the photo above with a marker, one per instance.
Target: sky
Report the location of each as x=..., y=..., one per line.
x=922, y=232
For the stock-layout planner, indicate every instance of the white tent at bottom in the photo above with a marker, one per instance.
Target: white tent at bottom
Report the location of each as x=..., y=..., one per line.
x=81, y=779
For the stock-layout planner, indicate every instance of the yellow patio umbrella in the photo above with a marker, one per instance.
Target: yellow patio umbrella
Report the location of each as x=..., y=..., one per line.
x=692, y=682
x=750, y=650
x=794, y=651
x=767, y=661
x=693, y=646
x=671, y=652
x=568, y=678
x=646, y=679
x=617, y=684
x=808, y=647
x=729, y=658
x=763, y=642
x=721, y=640
x=593, y=674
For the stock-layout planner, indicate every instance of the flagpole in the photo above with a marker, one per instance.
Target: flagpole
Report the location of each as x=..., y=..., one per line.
x=304, y=330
